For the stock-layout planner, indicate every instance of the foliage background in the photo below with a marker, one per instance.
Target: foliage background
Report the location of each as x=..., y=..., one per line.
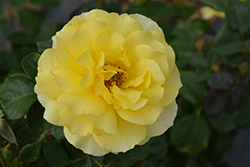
x=213, y=57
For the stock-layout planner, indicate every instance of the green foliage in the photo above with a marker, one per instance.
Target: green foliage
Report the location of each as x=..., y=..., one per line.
x=213, y=59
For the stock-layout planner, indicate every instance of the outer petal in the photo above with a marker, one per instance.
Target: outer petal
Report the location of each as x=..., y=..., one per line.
x=124, y=25
x=164, y=121
x=143, y=116
x=128, y=135
x=85, y=143
x=106, y=122
x=58, y=114
x=171, y=87
x=84, y=104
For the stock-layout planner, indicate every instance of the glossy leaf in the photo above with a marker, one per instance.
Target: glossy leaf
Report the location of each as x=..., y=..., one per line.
x=55, y=154
x=238, y=15
x=35, y=119
x=16, y=95
x=42, y=45
x=83, y=162
x=57, y=132
x=192, y=90
x=6, y=131
x=190, y=134
x=29, y=64
x=127, y=159
x=29, y=153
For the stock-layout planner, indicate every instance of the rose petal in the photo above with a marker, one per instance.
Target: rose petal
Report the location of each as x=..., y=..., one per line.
x=164, y=121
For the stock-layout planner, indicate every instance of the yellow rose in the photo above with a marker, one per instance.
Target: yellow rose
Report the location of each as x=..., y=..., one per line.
x=208, y=13
x=110, y=80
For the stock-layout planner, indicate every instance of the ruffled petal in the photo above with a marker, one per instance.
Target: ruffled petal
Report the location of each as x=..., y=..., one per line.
x=85, y=143
x=89, y=104
x=107, y=122
x=164, y=121
x=171, y=87
x=58, y=114
x=123, y=25
x=143, y=116
x=153, y=93
x=128, y=135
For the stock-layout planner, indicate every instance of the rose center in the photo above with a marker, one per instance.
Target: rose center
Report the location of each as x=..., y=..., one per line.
x=116, y=79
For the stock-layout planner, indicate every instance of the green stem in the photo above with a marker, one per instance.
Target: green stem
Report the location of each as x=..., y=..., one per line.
x=42, y=137
x=3, y=163
x=96, y=161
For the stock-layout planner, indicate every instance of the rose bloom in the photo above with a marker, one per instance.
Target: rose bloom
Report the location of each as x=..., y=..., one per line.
x=110, y=80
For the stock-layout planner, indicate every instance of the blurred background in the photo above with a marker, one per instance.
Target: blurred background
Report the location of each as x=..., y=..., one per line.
x=211, y=41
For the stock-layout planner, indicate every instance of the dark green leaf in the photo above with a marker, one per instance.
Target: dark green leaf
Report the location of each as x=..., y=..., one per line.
x=10, y=153
x=4, y=25
x=57, y=132
x=6, y=132
x=1, y=8
x=73, y=153
x=29, y=64
x=127, y=159
x=223, y=122
x=215, y=101
x=55, y=154
x=184, y=11
x=159, y=9
x=222, y=80
x=192, y=90
x=243, y=115
x=35, y=119
x=30, y=19
x=42, y=45
x=25, y=135
x=83, y=162
x=17, y=95
x=16, y=2
x=136, y=9
x=238, y=16
x=20, y=38
x=158, y=147
x=46, y=31
x=49, y=4
x=193, y=59
x=217, y=5
x=29, y=153
x=190, y=134
x=5, y=63
x=227, y=42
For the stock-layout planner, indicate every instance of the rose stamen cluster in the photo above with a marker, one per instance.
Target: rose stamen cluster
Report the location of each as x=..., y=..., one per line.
x=110, y=80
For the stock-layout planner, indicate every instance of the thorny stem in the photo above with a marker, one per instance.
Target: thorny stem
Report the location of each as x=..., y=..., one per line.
x=43, y=137
x=3, y=163
x=96, y=161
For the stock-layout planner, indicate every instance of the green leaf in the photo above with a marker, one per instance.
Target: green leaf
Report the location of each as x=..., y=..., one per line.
x=4, y=25
x=159, y=9
x=17, y=95
x=6, y=132
x=49, y=4
x=29, y=64
x=83, y=162
x=127, y=159
x=30, y=19
x=42, y=45
x=184, y=11
x=227, y=41
x=5, y=62
x=193, y=59
x=238, y=16
x=192, y=90
x=29, y=153
x=35, y=119
x=25, y=135
x=46, y=31
x=57, y=132
x=16, y=2
x=190, y=134
x=223, y=122
x=55, y=154
x=243, y=115
x=158, y=147
x=217, y=5
x=221, y=80
x=10, y=153
x=20, y=38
